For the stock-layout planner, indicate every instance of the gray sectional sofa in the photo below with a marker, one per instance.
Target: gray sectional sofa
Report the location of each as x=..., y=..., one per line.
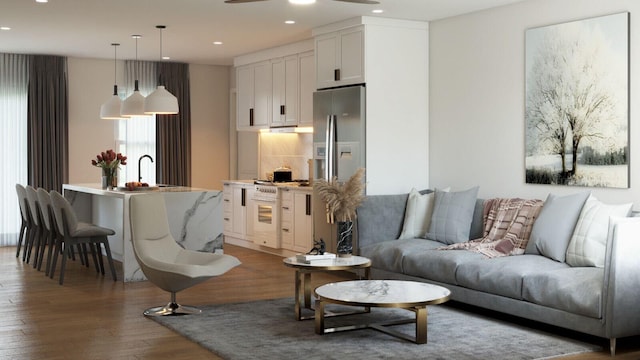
x=599, y=300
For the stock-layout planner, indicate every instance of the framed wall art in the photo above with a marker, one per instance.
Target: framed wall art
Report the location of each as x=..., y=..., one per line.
x=577, y=103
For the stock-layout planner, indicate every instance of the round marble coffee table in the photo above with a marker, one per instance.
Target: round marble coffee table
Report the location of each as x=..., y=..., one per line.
x=303, y=277
x=409, y=295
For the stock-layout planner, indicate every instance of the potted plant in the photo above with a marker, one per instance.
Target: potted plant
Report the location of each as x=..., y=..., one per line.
x=342, y=200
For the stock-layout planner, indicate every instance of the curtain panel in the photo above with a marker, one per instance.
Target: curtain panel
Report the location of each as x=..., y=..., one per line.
x=13, y=142
x=173, y=132
x=47, y=122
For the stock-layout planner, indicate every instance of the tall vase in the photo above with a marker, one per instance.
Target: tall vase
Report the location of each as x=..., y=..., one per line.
x=109, y=178
x=345, y=238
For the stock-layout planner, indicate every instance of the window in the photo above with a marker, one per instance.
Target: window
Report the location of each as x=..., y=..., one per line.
x=136, y=136
x=13, y=142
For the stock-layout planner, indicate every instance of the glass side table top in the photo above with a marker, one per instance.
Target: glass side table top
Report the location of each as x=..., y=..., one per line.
x=338, y=262
x=383, y=293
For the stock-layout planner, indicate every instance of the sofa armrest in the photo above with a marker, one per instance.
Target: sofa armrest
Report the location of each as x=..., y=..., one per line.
x=621, y=287
x=380, y=218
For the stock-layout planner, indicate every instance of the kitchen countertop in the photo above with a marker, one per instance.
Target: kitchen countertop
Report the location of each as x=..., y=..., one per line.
x=281, y=186
x=97, y=189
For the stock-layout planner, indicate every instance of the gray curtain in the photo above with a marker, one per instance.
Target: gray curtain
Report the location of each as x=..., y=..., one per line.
x=47, y=122
x=173, y=132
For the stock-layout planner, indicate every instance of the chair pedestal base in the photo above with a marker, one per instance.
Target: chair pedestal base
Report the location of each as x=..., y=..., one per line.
x=172, y=308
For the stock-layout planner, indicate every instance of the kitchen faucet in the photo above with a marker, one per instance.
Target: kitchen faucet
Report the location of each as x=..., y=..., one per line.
x=139, y=161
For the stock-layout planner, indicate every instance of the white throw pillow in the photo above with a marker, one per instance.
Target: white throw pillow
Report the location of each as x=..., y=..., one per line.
x=589, y=241
x=417, y=216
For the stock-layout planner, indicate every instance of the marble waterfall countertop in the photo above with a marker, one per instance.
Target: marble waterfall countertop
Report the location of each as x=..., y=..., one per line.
x=195, y=218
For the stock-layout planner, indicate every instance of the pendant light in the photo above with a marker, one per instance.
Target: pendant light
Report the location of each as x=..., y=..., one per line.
x=111, y=109
x=134, y=104
x=161, y=101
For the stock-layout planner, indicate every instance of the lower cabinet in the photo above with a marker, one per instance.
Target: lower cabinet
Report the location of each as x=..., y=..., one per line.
x=296, y=222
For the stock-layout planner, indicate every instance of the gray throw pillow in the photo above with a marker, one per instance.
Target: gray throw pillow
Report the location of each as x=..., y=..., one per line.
x=452, y=215
x=552, y=230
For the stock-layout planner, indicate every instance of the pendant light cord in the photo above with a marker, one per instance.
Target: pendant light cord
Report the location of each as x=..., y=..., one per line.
x=115, y=68
x=136, y=63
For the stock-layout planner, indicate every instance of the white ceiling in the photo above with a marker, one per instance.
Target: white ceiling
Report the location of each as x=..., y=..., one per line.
x=86, y=28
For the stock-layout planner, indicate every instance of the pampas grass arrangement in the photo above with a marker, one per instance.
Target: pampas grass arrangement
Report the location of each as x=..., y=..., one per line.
x=342, y=199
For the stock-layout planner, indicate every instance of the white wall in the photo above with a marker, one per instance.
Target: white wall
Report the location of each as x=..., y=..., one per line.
x=209, y=125
x=91, y=84
x=477, y=97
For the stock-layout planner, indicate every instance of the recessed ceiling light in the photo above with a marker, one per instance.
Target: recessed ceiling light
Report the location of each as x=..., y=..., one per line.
x=42, y=1
x=5, y=28
x=302, y=2
x=289, y=22
x=377, y=11
x=166, y=58
x=217, y=43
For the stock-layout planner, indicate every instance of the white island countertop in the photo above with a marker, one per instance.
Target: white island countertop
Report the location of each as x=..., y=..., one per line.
x=195, y=218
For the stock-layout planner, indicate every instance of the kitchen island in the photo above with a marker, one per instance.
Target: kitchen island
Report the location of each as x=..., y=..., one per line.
x=195, y=218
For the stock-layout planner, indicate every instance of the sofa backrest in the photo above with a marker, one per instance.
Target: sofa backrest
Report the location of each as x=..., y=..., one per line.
x=380, y=218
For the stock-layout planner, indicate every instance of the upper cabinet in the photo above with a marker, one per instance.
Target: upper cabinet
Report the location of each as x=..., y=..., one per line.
x=284, y=100
x=340, y=58
x=275, y=87
x=307, y=71
x=253, y=86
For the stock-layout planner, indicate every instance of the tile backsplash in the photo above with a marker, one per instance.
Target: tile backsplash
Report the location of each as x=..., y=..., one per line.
x=289, y=149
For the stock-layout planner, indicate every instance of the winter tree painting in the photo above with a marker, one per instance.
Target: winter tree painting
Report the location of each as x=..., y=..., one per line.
x=577, y=103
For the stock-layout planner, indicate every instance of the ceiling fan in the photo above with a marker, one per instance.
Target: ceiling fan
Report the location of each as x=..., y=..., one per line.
x=368, y=2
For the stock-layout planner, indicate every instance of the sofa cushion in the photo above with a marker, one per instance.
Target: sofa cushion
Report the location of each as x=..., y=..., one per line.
x=417, y=216
x=379, y=218
x=588, y=243
x=575, y=290
x=452, y=215
x=388, y=255
x=552, y=230
x=437, y=265
x=502, y=275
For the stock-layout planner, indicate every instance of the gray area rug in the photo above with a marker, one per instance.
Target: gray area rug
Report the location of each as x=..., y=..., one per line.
x=268, y=330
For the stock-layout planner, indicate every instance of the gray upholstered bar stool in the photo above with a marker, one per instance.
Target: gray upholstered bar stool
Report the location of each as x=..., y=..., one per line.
x=49, y=231
x=73, y=232
x=25, y=225
x=36, y=233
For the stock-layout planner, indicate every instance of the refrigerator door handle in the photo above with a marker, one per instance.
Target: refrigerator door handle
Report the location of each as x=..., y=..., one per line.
x=330, y=165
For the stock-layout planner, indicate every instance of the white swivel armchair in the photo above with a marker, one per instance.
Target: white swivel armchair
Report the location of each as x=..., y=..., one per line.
x=165, y=263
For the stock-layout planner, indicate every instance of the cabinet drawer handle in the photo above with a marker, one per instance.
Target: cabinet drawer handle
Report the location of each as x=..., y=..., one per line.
x=285, y=230
x=251, y=117
x=285, y=208
x=226, y=219
x=243, y=201
x=307, y=204
x=227, y=200
x=336, y=74
x=282, y=110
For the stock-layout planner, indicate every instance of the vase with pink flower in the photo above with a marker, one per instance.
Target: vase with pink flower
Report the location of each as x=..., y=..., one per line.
x=109, y=161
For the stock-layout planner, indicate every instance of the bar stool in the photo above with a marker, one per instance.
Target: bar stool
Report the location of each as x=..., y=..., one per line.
x=47, y=221
x=72, y=232
x=26, y=218
x=36, y=232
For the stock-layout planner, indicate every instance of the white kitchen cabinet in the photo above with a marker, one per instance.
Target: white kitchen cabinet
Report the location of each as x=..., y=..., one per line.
x=302, y=222
x=286, y=219
x=307, y=83
x=285, y=90
x=235, y=199
x=340, y=58
x=253, y=86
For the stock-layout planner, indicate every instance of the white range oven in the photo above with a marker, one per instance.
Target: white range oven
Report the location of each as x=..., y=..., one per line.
x=266, y=215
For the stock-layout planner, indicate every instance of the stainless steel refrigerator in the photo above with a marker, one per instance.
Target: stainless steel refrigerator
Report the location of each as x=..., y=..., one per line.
x=338, y=146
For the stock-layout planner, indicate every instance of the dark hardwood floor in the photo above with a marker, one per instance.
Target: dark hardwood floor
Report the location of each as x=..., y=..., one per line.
x=92, y=317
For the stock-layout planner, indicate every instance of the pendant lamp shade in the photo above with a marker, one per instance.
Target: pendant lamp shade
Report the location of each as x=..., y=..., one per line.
x=161, y=101
x=110, y=110
x=134, y=104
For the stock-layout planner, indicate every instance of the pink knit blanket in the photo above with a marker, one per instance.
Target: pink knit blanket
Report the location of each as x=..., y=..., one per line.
x=507, y=227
